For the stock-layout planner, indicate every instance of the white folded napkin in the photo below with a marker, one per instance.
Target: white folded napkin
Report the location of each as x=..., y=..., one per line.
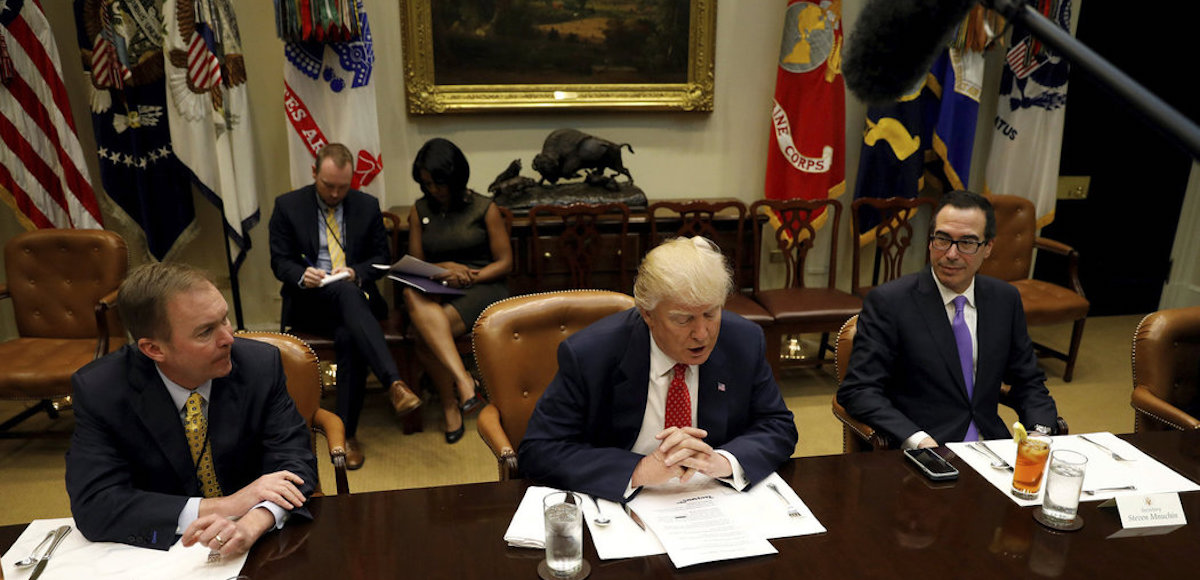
x=528, y=528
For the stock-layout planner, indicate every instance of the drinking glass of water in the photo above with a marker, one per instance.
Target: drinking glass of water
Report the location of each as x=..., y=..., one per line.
x=1063, y=483
x=564, y=532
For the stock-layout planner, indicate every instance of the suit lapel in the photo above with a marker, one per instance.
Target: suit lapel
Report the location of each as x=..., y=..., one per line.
x=224, y=411
x=711, y=413
x=157, y=411
x=630, y=394
x=933, y=312
x=311, y=241
x=989, y=337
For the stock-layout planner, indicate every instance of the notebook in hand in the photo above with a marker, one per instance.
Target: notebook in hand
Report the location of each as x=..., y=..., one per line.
x=418, y=273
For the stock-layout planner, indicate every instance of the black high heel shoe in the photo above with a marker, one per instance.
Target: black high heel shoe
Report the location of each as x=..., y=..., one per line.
x=473, y=404
x=454, y=436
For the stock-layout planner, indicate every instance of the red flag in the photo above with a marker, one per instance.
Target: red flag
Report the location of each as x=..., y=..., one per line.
x=806, y=156
x=42, y=171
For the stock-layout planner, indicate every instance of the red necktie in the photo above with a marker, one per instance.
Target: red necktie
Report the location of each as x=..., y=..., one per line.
x=679, y=403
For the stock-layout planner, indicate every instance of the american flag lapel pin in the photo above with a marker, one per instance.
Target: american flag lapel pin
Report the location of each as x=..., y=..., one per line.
x=721, y=387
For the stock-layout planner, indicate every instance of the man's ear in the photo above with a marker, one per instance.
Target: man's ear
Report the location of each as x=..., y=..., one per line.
x=151, y=348
x=645, y=315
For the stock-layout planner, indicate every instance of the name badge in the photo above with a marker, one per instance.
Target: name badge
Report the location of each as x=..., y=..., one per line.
x=1153, y=510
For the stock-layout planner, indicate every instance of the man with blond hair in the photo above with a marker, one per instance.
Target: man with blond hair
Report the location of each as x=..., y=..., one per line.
x=188, y=432
x=670, y=387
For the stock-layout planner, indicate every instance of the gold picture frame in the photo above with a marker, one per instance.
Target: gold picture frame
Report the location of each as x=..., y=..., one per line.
x=425, y=96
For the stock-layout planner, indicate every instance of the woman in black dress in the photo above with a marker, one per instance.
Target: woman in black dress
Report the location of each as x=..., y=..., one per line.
x=463, y=232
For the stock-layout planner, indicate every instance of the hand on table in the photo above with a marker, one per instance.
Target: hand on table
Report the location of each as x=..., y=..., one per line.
x=229, y=536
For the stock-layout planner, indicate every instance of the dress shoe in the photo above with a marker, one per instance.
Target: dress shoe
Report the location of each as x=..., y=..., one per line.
x=457, y=434
x=404, y=401
x=354, y=454
x=473, y=404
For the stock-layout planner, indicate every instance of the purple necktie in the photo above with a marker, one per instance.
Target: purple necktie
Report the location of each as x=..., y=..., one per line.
x=962, y=335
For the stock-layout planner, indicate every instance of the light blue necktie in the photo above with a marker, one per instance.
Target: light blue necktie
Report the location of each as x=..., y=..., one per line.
x=962, y=335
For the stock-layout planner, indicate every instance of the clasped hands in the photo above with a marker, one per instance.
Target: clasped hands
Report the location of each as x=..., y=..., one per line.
x=231, y=524
x=313, y=276
x=457, y=275
x=681, y=453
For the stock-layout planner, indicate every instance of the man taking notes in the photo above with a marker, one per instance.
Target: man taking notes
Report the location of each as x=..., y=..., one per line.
x=188, y=431
x=670, y=387
x=933, y=347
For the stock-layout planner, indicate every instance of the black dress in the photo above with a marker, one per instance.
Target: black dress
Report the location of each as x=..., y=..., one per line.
x=462, y=237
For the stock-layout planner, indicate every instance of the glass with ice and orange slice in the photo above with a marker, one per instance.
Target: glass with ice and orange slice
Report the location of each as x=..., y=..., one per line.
x=1033, y=449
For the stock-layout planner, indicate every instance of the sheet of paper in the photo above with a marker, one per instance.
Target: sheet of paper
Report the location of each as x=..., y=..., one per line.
x=76, y=558
x=410, y=265
x=694, y=528
x=1145, y=472
x=621, y=538
x=330, y=279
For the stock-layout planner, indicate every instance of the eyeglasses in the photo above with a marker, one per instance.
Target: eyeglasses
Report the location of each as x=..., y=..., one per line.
x=965, y=247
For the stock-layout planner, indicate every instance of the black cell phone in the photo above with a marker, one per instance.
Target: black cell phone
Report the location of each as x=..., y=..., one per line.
x=931, y=464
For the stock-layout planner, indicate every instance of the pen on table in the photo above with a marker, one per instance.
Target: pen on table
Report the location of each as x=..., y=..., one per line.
x=633, y=515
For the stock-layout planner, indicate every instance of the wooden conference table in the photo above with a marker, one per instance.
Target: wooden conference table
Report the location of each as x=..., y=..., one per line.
x=884, y=521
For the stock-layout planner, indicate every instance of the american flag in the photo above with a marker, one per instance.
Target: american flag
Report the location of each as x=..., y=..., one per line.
x=1024, y=58
x=42, y=172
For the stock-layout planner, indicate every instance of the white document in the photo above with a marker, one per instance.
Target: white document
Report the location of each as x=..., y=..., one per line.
x=1144, y=472
x=694, y=528
x=76, y=558
x=415, y=266
x=621, y=538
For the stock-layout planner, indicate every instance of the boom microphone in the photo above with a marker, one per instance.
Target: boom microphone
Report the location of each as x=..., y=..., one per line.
x=895, y=42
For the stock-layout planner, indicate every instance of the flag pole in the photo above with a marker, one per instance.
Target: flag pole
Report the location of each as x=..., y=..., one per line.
x=234, y=287
x=1162, y=116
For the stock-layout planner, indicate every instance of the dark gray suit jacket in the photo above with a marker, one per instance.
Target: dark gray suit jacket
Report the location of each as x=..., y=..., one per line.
x=129, y=470
x=585, y=424
x=904, y=374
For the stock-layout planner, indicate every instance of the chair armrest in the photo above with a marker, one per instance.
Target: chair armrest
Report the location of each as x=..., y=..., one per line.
x=875, y=440
x=492, y=433
x=1062, y=249
x=1147, y=403
x=334, y=430
x=108, y=302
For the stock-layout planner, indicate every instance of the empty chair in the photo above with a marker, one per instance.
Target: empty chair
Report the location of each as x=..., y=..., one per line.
x=571, y=244
x=1166, y=371
x=797, y=308
x=892, y=234
x=63, y=287
x=301, y=367
x=516, y=345
x=1044, y=302
x=699, y=218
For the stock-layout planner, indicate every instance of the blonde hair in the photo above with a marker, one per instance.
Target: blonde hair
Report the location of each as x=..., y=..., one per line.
x=691, y=271
x=340, y=154
x=143, y=296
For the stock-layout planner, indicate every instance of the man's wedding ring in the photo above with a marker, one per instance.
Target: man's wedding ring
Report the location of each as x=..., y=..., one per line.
x=219, y=540
x=443, y=282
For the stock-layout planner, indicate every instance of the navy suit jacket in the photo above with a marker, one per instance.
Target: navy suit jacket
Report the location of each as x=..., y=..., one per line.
x=585, y=424
x=294, y=236
x=129, y=470
x=904, y=374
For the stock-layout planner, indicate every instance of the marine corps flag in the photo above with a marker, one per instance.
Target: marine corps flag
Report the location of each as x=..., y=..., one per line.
x=806, y=157
x=1030, y=112
x=42, y=171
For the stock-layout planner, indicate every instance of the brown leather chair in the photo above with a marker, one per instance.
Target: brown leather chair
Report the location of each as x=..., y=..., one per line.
x=697, y=218
x=893, y=235
x=1012, y=259
x=516, y=341
x=570, y=243
x=859, y=436
x=1166, y=371
x=63, y=286
x=302, y=369
x=795, y=307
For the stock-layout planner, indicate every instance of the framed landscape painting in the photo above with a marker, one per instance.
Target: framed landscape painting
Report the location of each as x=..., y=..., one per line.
x=505, y=55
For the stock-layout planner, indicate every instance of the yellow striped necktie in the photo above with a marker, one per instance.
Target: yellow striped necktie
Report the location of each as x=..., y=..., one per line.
x=333, y=239
x=196, y=426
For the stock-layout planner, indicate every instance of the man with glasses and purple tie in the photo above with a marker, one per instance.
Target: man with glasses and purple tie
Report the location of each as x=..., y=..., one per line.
x=933, y=347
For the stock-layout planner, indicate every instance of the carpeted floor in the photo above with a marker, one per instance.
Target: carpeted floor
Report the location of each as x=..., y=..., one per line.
x=31, y=467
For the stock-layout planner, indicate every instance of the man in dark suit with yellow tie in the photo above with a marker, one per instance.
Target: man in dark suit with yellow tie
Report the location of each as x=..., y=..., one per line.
x=932, y=348
x=329, y=229
x=188, y=431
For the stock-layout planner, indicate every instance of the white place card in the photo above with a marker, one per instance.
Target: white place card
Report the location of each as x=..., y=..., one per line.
x=1152, y=510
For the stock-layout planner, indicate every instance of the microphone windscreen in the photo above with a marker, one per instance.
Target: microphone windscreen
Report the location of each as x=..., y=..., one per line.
x=894, y=42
